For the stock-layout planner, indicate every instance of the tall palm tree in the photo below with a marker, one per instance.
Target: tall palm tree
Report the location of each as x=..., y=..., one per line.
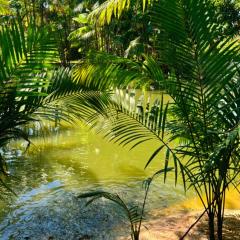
x=199, y=128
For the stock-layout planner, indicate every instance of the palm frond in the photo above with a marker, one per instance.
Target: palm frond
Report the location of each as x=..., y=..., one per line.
x=203, y=83
x=105, y=12
x=97, y=74
x=131, y=213
x=73, y=98
x=4, y=7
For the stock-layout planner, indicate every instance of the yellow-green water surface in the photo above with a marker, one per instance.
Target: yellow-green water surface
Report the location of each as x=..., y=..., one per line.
x=56, y=169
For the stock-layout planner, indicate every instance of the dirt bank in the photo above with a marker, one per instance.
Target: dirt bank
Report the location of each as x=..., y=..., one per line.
x=172, y=224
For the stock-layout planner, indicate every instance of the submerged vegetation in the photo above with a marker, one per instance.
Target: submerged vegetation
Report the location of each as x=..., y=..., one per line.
x=76, y=60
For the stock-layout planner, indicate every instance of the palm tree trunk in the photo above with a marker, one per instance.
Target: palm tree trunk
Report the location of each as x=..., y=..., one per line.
x=220, y=226
x=135, y=235
x=219, y=219
x=211, y=225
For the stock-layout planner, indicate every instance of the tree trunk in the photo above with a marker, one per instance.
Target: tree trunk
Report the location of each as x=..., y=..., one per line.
x=136, y=236
x=219, y=220
x=211, y=225
x=220, y=226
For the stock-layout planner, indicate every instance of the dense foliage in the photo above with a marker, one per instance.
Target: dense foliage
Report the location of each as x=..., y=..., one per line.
x=68, y=57
x=195, y=61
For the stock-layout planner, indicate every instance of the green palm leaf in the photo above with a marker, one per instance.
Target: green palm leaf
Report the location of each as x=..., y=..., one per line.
x=4, y=7
x=197, y=130
x=104, y=13
x=32, y=86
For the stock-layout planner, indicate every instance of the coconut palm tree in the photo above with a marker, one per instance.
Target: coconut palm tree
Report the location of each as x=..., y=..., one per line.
x=199, y=128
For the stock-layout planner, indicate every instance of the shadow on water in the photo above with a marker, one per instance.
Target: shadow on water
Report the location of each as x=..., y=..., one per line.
x=63, y=218
x=57, y=169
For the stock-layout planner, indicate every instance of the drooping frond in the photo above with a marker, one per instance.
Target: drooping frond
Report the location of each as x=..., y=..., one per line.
x=24, y=61
x=4, y=7
x=73, y=97
x=201, y=56
x=202, y=79
x=98, y=74
x=104, y=13
x=32, y=85
x=25, y=55
x=131, y=213
x=35, y=89
x=204, y=84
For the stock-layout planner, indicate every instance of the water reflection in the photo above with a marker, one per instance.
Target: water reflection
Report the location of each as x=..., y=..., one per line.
x=56, y=169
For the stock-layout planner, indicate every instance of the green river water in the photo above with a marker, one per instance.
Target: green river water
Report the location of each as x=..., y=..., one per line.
x=56, y=169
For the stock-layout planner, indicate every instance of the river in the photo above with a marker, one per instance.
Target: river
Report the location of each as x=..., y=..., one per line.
x=57, y=168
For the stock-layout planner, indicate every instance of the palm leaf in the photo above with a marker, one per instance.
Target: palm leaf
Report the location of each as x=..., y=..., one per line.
x=131, y=212
x=30, y=89
x=104, y=13
x=4, y=7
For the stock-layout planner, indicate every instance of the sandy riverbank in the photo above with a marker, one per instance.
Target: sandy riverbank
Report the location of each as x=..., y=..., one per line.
x=172, y=224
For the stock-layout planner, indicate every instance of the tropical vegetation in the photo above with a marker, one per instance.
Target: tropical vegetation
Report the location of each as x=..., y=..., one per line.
x=91, y=51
